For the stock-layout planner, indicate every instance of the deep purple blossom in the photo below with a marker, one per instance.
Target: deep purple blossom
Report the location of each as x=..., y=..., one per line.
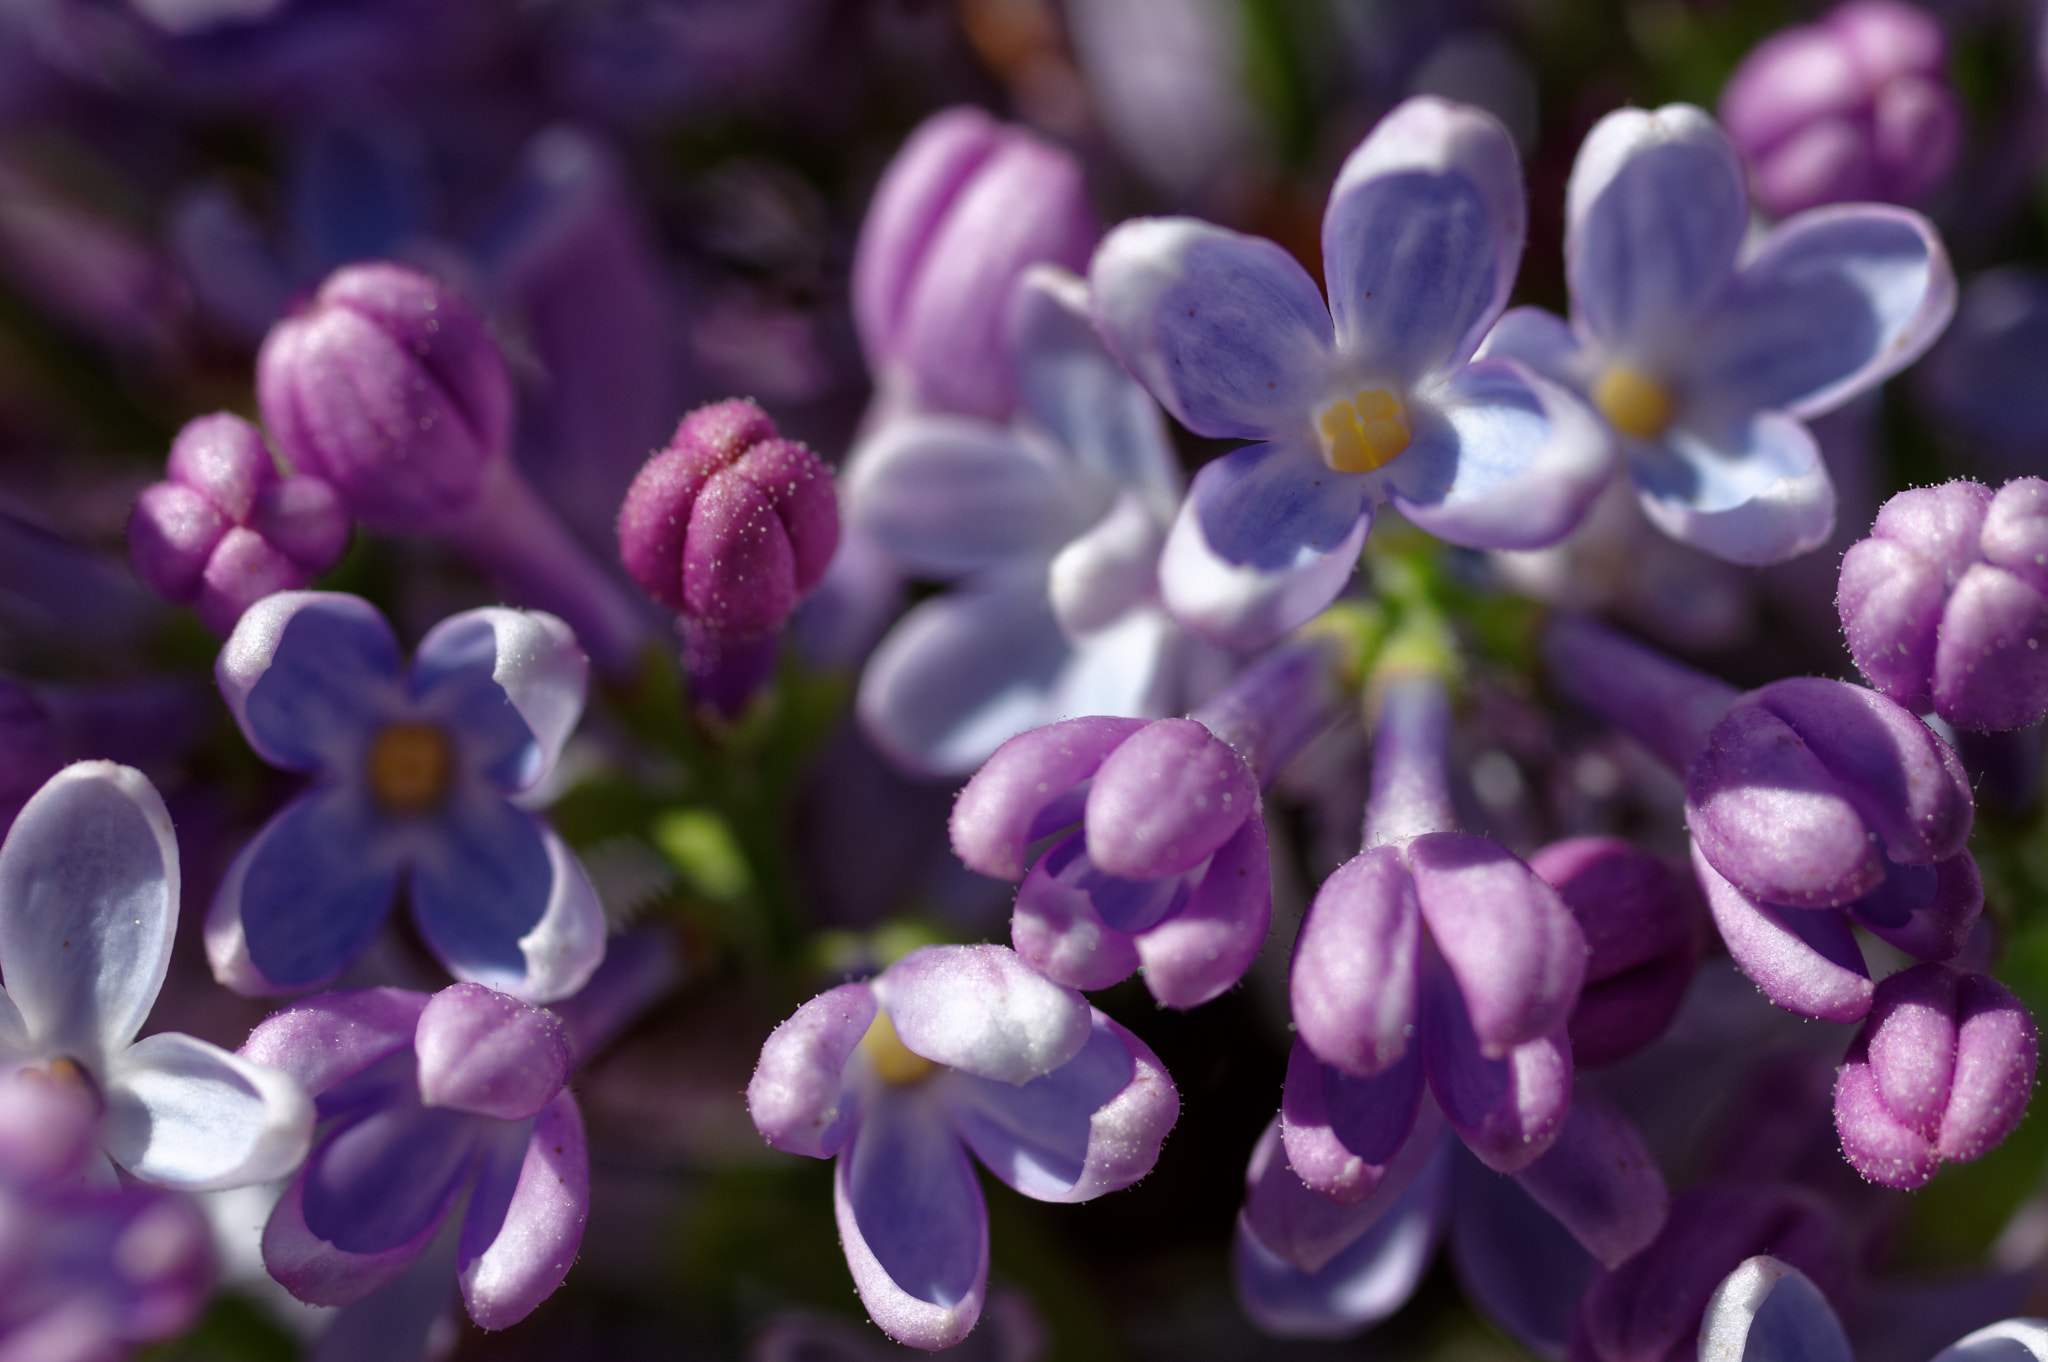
x=427, y=1105
x=224, y=530
x=1373, y=396
x=951, y=1049
x=1946, y=603
x=412, y=771
x=1705, y=355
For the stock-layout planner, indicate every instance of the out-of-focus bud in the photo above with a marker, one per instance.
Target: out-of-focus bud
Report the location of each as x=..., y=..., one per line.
x=1852, y=108
x=1941, y=1070
x=1946, y=604
x=730, y=526
x=967, y=204
x=224, y=530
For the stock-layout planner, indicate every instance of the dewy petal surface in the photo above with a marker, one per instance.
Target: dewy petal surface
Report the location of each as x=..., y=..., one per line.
x=1507, y=1110
x=2011, y=1340
x=1342, y=1132
x=527, y=1254
x=88, y=907
x=981, y=1009
x=511, y=683
x=183, y=1113
x=308, y=674
x=1754, y=492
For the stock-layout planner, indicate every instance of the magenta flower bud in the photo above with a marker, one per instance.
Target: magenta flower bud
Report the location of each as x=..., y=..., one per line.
x=1854, y=107
x=1940, y=1071
x=1946, y=604
x=1641, y=916
x=965, y=207
x=225, y=530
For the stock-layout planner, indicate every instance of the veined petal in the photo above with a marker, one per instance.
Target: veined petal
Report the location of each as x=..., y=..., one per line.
x=1768, y=1311
x=1422, y=237
x=182, y=1113
x=326, y=1040
x=509, y=684
x=1246, y=608
x=1227, y=331
x=798, y=1096
x=913, y=1223
x=88, y=907
x=983, y=1010
x=1757, y=494
x=1504, y=460
x=1000, y=812
x=1277, y=505
x=309, y=675
x=510, y=1266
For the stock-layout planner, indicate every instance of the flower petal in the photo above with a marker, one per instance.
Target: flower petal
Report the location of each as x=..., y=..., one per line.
x=513, y=1260
x=1515, y=1263
x=983, y=1010
x=797, y=1096
x=88, y=907
x=1308, y=1229
x=1342, y=1132
x=2010, y=1340
x=1926, y=911
x=1227, y=331
x=1757, y=494
x=912, y=1223
x=326, y=1040
x=317, y=1272
x=387, y=1178
x=488, y=1054
x=1804, y=959
x=1767, y=1311
x=1601, y=1182
x=509, y=684
x=1509, y=1110
x=1247, y=608
x=1091, y=1126
x=308, y=675
x=1003, y=808
x=1543, y=343
x=1056, y=927
x=1277, y=505
x=1422, y=238
x=1203, y=949
x=1352, y=985
x=1165, y=800
x=1110, y=569
x=1129, y=667
x=186, y=1114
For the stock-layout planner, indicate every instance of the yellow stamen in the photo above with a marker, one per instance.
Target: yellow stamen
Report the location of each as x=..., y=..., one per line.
x=1366, y=433
x=409, y=767
x=1633, y=402
x=892, y=1059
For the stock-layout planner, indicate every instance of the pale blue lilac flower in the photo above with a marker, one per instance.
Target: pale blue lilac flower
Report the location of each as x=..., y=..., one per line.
x=1706, y=352
x=1167, y=869
x=1051, y=528
x=1814, y=806
x=88, y=908
x=1767, y=1310
x=429, y=1105
x=952, y=1049
x=412, y=776
x=1374, y=396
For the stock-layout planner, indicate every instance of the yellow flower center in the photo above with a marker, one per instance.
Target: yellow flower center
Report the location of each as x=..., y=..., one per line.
x=1633, y=402
x=1364, y=433
x=409, y=767
x=892, y=1059
x=62, y=1072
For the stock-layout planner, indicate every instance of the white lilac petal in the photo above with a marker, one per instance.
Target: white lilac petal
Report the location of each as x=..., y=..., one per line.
x=1422, y=237
x=798, y=1096
x=309, y=675
x=529, y=1251
x=1109, y=569
x=183, y=1113
x=1759, y=494
x=1541, y=342
x=482, y=667
x=1227, y=331
x=1127, y=670
x=88, y=908
x=2009, y=1340
x=983, y=1010
x=1769, y=1311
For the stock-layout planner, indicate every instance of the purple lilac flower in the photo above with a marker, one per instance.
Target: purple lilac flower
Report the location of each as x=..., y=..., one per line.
x=87, y=1269
x=1814, y=805
x=730, y=526
x=1854, y=107
x=1051, y=527
x=388, y=386
x=224, y=530
x=1706, y=357
x=1946, y=603
x=1167, y=869
x=1372, y=396
x=951, y=1049
x=413, y=772
x=1767, y=1310
x=428, y=1104
x=88, y=908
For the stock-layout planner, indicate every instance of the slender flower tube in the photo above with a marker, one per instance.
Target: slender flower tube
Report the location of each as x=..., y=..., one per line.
x=1167, y=870
x=225, y=530
x=1813, y=805
x=951, y=1049
x=1946, y=603
x=729, y=526
x=388, y=386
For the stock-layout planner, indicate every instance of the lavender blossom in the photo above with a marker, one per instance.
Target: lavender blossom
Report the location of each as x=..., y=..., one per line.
x=1767, y=1310
x=951, y=1049
x=1167, y=870
x=428, y=1104
x=1946, y=603
x=412, y=776
x=1705, y=357
x=225, y=530
x=1374, y=396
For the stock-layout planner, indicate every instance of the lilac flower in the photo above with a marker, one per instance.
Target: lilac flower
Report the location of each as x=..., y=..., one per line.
x=1767, y=1310
x=428, y=1104
x=1373, y=396
x=1052, y=527
x=88, y=908
x=1167, y=870
x=224, y=530
x=1813, y=805
x=1946, y=603
x=412, y=774
x=951, y=1049
x=1706, y=357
